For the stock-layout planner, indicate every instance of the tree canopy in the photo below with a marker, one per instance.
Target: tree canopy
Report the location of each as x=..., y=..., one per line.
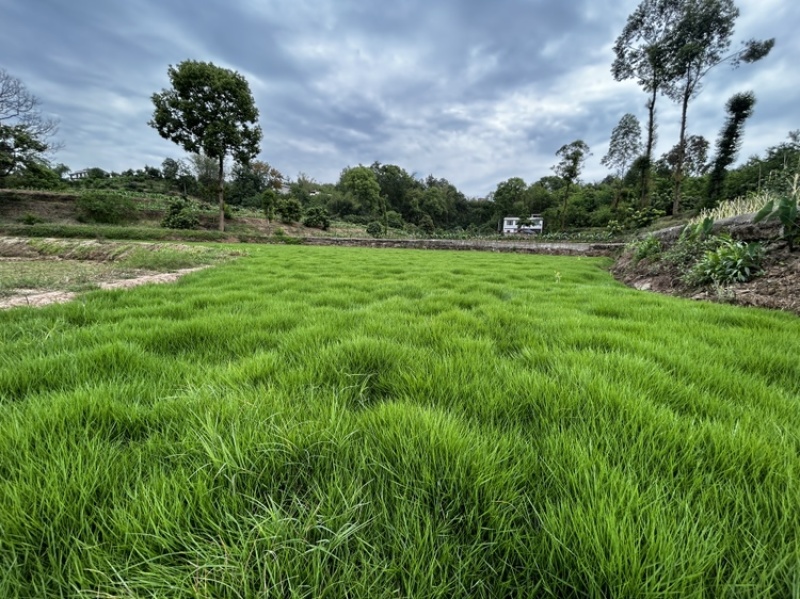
x=25, y=133
x=209, y=110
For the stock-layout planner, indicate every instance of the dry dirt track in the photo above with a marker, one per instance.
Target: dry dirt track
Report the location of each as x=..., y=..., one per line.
x=35, y=298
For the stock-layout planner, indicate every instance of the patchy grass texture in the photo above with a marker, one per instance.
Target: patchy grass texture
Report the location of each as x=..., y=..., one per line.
x=326, y=422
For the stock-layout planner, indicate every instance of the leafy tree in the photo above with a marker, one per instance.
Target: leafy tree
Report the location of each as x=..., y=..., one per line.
x=26, y=135
x=695, y=157
x=269, y=203
x=624, y=147
x=427, y=225
x=211, y=110
x=740, y=108
x=204, y=171
x=509, y=197
x=641, y=52
x=170, y=168
x=396, y=185
x=699, y=41
x=573, y=156
x=362, y=184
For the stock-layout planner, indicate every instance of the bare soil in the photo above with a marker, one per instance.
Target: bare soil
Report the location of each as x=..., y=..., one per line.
x=777, y=288
x=38, y=297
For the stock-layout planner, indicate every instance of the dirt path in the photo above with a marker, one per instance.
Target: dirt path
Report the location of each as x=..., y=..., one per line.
x=35, y=298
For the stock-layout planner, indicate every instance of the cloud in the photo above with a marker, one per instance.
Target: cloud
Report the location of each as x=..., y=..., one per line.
x=472, y=91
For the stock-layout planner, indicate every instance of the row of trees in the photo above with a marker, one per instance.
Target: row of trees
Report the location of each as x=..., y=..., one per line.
x=669, y=47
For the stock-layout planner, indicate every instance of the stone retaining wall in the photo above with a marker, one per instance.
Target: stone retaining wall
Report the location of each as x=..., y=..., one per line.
x=739, y=227
x=531, y=247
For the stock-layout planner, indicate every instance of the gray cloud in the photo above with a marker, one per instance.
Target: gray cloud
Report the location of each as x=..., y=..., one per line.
x=464, y=89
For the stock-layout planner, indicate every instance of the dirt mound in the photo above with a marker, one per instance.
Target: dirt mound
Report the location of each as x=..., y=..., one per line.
x=778, y=287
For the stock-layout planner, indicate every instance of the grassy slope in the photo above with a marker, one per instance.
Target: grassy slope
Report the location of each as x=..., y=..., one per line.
x=352, y=423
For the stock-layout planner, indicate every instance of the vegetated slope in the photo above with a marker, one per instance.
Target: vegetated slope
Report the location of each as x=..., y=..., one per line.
x=329, y=422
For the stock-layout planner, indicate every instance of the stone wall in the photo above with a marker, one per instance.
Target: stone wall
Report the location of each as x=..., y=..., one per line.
x=739, y=227
x=519, y=247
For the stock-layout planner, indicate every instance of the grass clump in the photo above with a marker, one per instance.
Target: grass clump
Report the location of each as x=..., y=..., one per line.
x=351, y=423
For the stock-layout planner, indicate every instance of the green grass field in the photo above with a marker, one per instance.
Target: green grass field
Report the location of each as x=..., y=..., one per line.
x=329, y=422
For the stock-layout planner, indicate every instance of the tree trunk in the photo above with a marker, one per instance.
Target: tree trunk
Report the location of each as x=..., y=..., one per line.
x=681, y=158
x=221, y=193
x=651, y=141
x=564, y=207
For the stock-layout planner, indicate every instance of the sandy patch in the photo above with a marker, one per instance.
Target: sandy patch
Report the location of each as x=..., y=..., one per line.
x=34, y=298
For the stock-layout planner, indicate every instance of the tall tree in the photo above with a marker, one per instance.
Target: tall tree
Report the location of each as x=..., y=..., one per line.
x=739, y=108
x=695, y=158
x=573, y=156
x=26, y=134
x=700, y=41
x=509, y=198
x=361, y=183
x=624, y=147
x=211, y=110
x=641, y=52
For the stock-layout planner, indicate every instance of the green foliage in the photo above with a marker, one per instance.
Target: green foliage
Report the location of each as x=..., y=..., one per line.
x=426, y=224
x=375, y=229
x=31, y=219
x=362, y=185
x=394, y=220
x=290, y=210
x=317, y=218
x=103, y=208
x=785, y=210
x=731, y=262
x=181, y=214
x=694, y=241
x=211, y=110
x=269, y=203
x=24, y=130
x=647, y=248
x=740, y=108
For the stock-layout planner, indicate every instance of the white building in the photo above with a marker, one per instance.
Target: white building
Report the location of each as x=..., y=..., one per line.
x=510, y=225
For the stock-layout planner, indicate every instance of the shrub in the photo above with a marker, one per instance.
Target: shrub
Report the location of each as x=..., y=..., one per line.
x=181, y=214
x=694, y=241
x=732, y=262
x=785, y=210
x=426, y=224
x=104, y=208
x=646, y=249
x=375, y=229
x=394, y=219
x=29, y=218
x=317, y=218
x=290, y=210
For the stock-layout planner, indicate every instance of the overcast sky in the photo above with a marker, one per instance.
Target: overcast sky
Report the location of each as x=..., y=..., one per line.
x=475, y=91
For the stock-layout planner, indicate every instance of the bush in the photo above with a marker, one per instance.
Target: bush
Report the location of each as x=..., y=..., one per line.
x=426, y=224
x=290, y=210
x=317, y=218
x=103, y=208
x=375, y=229
x=786, y=210
x=394, y=219
x=646, y=249
x=29, y=218
x=732, y=262
x=181, y=214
